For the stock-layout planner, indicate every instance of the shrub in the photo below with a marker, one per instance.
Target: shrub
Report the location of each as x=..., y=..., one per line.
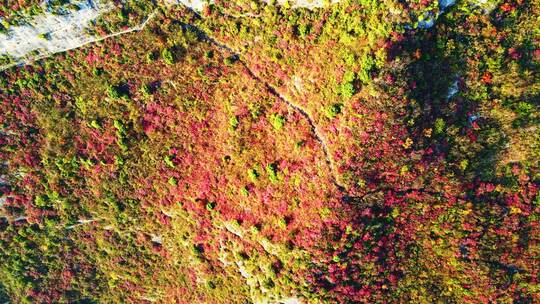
x=271, y=170
x=303, y=30
x=209, y=54
x=167, y=56
x=168, y=161
x=233, y=123
x=173, y=181
x=333, y=110
x=439, y=125
x=230, y=60
x=116, y=92
x=150, y=57
x=145, y=90
x=347, y=90
x=253, y=174
x=277, y=121
x=45, y=36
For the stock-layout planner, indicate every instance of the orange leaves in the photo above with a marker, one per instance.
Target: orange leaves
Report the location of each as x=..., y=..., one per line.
x=417, y=54
x=487, y=78
x=507, y=7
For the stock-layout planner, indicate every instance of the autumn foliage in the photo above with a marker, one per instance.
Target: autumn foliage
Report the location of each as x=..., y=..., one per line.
x=257, y=153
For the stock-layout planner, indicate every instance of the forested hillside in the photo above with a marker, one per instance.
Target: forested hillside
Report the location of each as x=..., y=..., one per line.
x=259, y=152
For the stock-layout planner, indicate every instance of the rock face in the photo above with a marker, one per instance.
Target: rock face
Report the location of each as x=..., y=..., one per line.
x=51, y=32
x=197, y=5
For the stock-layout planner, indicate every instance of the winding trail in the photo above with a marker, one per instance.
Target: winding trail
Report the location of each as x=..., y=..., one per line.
x=318, y=136
x=275, y=92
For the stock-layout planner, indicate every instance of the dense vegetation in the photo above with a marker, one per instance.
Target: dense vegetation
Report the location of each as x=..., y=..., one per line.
x=253, y=153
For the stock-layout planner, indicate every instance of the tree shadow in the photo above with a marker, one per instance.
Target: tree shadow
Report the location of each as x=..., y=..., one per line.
x=472, y=144
x=468, y=147
x=4, y=298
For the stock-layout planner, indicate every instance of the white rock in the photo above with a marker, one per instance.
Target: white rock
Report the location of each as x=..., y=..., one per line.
x=452, y=90
x=444, y=4
x=49, y=33
x=290, y=301
x=197, y=5
x=157, y=239
x=310, y=4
